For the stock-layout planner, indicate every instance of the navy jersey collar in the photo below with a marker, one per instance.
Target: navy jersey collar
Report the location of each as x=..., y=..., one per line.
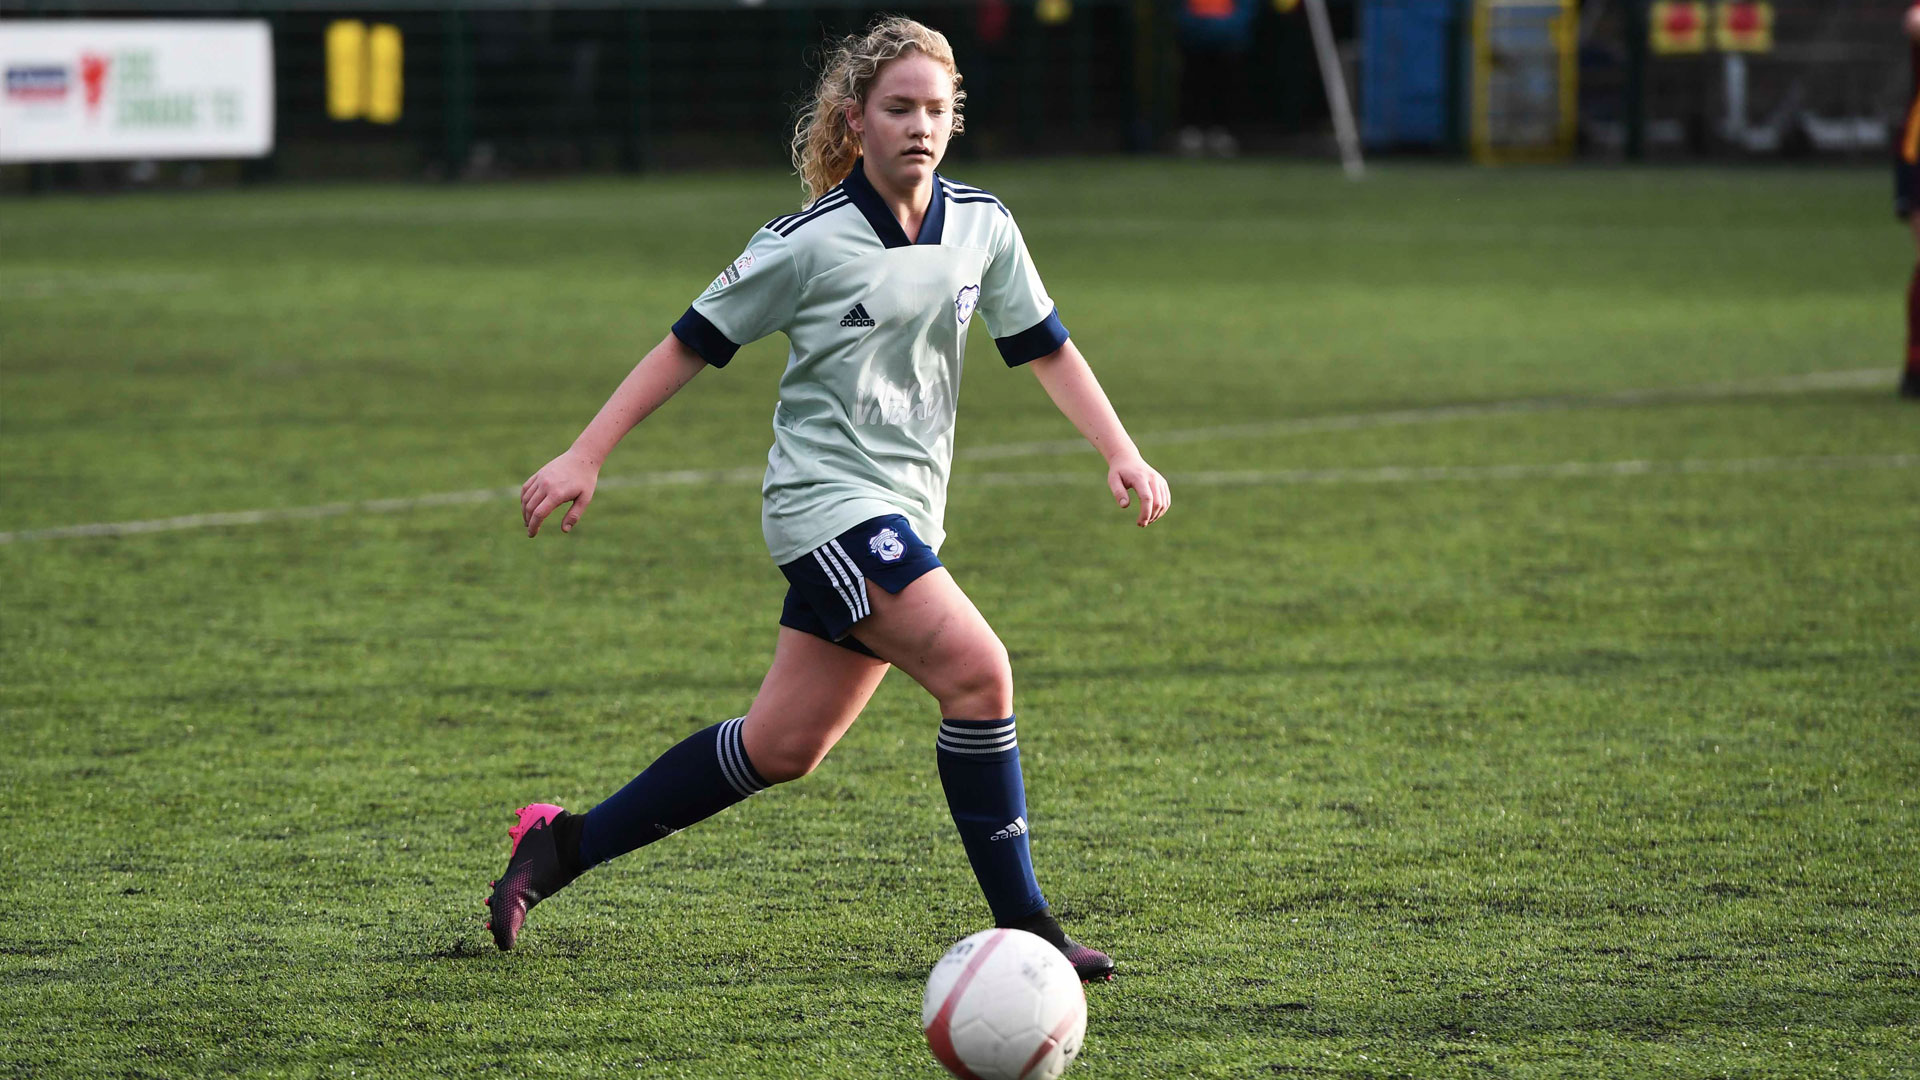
x=885, y=225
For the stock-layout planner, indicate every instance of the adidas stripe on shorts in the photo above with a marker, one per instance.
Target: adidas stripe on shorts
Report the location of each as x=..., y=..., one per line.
x=827, y=587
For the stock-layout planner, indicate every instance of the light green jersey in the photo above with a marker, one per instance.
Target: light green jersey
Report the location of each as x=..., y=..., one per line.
x=878, y=327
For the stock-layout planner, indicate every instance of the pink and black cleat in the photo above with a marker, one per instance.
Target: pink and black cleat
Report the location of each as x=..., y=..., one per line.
x=1091, y=965
x=534, y=872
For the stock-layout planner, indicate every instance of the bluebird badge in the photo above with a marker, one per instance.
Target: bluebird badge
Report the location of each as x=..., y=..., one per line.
x=887, y=544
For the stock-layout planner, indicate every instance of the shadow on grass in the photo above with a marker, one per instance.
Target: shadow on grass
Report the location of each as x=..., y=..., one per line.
x=1651, y=1012
x=1577, y=663
x=640, y=686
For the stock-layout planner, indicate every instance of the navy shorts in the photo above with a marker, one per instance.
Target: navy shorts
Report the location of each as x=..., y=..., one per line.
x=1906, y=188
x=827, y=587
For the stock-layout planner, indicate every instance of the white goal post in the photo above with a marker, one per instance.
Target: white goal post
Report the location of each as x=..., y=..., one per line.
x=1345, y=132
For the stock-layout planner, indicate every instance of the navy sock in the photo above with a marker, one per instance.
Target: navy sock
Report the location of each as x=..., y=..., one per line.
x=704, y=774
x=980, y=769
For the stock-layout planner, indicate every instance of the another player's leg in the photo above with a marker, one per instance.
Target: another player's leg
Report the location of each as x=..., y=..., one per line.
x=932, y=631
x=1910, y=377
x=811, y=695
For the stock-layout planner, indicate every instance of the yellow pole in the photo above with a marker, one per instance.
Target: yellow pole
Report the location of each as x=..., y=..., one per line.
x=384, y=67
x=346, y=77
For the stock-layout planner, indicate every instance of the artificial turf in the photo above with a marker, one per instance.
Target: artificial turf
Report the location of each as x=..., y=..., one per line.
x=1526, y=682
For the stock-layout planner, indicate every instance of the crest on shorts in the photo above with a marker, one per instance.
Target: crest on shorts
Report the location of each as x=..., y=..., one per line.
x=887, y=544
x=732, y=273
x=964, y=303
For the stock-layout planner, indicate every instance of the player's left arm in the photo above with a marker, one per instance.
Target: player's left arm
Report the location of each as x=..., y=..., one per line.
x=1077, y=394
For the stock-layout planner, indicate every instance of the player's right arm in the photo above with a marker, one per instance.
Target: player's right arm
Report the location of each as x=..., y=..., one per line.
x=753, y=297
x=570, y=478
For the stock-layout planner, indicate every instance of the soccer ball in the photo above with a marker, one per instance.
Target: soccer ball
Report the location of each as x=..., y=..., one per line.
x=1004, y=1005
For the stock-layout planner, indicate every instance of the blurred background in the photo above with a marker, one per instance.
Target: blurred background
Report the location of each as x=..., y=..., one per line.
x=468, y=89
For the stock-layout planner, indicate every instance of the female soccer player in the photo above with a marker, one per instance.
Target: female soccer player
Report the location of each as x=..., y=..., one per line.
x=875, y=284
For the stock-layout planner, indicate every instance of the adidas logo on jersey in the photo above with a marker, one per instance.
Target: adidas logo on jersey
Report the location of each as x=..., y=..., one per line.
x=1017, y=827
x=857, y=317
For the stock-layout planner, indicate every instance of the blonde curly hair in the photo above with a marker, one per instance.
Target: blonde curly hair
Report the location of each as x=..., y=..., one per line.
x=824, y=146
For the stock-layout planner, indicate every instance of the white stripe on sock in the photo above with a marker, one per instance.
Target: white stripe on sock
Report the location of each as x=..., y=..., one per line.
x=720, y=755
x=733, y=755
x=988, y=740
x=947, y=728
x=747, y=774
x=978, y=746
x=955, y=748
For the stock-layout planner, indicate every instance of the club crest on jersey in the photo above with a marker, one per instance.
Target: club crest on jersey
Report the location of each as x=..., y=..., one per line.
x=887, y=544
x=964, y=303
x=732, y=273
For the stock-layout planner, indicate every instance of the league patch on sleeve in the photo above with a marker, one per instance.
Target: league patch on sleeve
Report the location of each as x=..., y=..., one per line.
x=732, y=273
x=964, y=303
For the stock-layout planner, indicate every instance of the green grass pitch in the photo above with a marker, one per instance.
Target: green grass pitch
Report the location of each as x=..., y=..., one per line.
x=1526, y=682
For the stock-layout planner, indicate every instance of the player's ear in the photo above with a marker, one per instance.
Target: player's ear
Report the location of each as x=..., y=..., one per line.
x=854, y=120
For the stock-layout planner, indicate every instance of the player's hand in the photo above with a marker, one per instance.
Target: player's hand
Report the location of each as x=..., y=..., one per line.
x=568, y=478
x=1149, y=488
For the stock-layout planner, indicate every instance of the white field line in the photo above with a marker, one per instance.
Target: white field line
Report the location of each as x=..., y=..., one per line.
x=1308, y=425
x=1408, y=474
x=1301, y=425
x=675, y=478
x=1386, y=474
x=71, y=283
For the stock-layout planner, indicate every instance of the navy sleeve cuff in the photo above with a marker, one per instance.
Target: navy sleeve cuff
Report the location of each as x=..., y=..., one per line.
x=706, y=339
x=1036, y=341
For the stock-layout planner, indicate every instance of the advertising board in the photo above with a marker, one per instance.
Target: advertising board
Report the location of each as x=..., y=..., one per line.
x=84, y=90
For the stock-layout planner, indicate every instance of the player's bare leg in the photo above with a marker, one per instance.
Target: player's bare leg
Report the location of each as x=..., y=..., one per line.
x=812, y=693
x=933, y=632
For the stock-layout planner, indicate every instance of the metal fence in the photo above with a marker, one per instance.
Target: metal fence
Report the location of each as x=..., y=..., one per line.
x=498, y=88
x=1834, y=80
x=512, y=87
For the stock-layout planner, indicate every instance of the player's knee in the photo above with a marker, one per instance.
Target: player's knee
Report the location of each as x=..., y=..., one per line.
x=789, y=759
x=981, y=687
